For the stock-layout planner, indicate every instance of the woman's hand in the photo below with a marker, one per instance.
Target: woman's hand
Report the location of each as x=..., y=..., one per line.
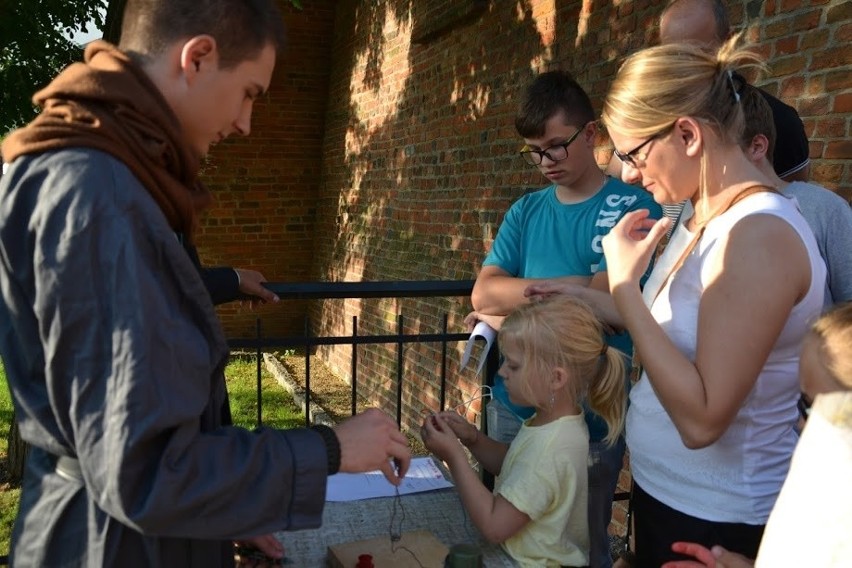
x=630, y=245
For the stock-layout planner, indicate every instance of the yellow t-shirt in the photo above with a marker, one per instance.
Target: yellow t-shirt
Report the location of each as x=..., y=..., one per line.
x=545, y=475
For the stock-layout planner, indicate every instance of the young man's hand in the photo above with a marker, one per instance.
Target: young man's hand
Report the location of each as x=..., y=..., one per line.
x=259, y=551
x=371, y=441
x=251, y=284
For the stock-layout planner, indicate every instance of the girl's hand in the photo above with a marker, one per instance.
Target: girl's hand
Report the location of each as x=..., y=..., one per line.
x=630, y=245
x=466, y=432
x=440, y=439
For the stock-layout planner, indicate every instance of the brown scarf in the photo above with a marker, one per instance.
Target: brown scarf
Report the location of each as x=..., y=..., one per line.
x=110, y=104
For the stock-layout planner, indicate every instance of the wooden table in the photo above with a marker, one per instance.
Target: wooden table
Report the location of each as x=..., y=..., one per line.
x=440, y=512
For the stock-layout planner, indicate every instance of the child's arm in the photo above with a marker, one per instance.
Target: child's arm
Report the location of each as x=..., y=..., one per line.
x=494, y=516
x=488, y=452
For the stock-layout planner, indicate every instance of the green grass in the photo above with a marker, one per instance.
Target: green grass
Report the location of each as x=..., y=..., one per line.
x=279, y=411
x=9, y=496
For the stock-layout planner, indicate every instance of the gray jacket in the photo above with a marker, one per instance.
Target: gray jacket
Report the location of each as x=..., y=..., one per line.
x=114, y=355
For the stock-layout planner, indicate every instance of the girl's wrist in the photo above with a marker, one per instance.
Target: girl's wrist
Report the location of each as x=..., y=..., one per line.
x=475, y=438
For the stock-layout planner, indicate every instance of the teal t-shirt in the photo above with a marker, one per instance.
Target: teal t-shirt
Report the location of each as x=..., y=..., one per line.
x=540, y=237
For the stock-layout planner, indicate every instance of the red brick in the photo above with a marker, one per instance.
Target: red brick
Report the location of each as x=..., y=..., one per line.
x=815, y=39
x=833, y=59
x=834, y=127
x=791, y=88
x=836, y=80
x=843, y=34
x=839, y=13
x=824, y=172
x=838, y=150
x=776, y=29
x=788, y=65
x=787, y=45
x=843, y=103
x=803, y=21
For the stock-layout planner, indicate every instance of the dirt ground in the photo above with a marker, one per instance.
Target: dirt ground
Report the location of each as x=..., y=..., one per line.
x=333, y=393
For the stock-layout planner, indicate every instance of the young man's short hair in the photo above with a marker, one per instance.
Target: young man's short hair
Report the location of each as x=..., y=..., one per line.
x=548, y=94
x=241, y=28
x=758, y=119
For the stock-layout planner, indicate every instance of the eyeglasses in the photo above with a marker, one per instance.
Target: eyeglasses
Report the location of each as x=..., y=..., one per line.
x=630, y=157
x=555, y=153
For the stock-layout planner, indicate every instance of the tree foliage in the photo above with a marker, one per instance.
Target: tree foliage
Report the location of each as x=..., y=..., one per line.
x=35, y=45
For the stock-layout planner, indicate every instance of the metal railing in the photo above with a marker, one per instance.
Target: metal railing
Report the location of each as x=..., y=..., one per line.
x=395, y=289
x=364, y=290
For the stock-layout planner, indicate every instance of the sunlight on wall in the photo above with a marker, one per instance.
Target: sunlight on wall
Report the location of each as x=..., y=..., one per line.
x=543, y=15
x=583, y=22
x=473, y=96
x=391, y=74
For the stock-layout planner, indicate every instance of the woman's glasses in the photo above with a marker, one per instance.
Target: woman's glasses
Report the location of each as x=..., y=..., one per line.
x=630, y=157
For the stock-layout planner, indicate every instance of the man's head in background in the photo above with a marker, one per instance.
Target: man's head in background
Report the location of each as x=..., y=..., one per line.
x=701, y=21
x=759, y=134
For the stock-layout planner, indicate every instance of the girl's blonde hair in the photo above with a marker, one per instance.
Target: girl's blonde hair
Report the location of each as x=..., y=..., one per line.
x=564, y=332
x=656, y=86
x=833, y=331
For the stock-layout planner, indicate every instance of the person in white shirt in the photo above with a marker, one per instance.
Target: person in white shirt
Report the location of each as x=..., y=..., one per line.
x=711, y=424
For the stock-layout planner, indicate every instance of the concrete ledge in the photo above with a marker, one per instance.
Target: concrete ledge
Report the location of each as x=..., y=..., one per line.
x=317, y=414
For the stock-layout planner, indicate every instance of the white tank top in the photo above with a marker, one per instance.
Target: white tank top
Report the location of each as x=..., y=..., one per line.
x=737, y=478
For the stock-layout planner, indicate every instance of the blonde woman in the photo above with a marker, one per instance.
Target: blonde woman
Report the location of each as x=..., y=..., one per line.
x=555, y=357
x=711, y=426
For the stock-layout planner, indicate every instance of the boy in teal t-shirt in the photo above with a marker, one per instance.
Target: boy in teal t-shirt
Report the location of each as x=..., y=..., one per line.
x=554, y=235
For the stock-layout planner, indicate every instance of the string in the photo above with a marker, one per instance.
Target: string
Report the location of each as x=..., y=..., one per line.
x=396, y=536
x=464, y=407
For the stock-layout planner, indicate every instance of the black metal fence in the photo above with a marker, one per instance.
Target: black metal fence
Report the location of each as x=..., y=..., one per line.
x=364, y=290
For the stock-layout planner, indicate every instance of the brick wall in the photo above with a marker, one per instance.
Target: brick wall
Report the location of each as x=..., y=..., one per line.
x=420, y=151
x=386, y=151
x=266, y=185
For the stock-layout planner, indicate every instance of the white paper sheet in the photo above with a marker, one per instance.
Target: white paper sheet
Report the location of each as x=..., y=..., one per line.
x=481, y=331
x=423, y=475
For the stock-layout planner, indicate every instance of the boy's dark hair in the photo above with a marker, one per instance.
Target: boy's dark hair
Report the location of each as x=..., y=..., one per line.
x=548, y=94
x=241, y=28
x=758, y=119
